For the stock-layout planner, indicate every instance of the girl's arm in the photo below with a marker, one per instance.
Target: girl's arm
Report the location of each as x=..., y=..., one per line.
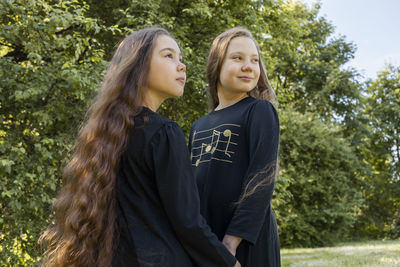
x=231, y=242
x=263, y=138
x=179, y=196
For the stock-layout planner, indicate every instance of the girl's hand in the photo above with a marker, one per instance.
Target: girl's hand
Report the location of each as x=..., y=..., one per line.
x=231, y=242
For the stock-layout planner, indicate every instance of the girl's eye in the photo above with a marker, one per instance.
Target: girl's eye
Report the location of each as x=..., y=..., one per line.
x=237, y=57
x=255, y=60
x=169, y=55
x=181, y=60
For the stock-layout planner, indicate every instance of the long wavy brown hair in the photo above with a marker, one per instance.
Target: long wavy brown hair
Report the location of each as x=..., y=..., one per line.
x=216, y=56
x=83, y=230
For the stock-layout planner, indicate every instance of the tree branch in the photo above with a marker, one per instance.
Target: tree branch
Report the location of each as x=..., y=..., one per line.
x=18, y=54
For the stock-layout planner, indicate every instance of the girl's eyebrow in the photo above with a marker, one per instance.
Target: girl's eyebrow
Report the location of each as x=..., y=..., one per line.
x=238, y=52
x=170, y=49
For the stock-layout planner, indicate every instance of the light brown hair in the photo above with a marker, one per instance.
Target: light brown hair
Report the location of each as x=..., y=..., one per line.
x=83, y=231
x=263, y=90
x=216, y=56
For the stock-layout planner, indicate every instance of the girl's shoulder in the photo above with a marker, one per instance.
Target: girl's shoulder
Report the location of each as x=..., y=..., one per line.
x=262, y=112
x=262, y=105
x=149, y=118
x=165, y=128
x=151, y=126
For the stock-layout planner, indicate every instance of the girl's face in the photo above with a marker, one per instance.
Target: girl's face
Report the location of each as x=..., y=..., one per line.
x=167, y=74
x=240, y=68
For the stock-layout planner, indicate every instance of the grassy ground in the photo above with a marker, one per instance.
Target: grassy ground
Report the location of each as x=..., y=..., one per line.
x=365, y=254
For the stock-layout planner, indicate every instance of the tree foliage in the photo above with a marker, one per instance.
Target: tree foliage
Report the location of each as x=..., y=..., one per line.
x=340, y=140
x=317, y=197
x=49, y=66
x=381, y=152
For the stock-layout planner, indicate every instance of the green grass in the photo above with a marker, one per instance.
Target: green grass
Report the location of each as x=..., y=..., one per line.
x=365, y=254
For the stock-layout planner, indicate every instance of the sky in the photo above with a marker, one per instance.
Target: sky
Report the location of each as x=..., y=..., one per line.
x=373, y=25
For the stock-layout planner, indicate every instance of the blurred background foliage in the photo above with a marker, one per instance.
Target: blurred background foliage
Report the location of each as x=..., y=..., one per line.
x=340, y=143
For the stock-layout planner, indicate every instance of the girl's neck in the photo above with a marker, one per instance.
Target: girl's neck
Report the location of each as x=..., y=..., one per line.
x=152, y=101
x=225, y=100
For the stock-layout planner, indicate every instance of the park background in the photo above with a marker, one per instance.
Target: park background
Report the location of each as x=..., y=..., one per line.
x=339, y=174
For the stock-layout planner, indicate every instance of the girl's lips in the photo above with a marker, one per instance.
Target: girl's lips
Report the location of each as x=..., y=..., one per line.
x=246, y=78
x=182, y=80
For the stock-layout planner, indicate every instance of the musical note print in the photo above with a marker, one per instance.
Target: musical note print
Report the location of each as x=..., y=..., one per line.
x=191, y=151
x=201, y=153
x=214, y=144
x=211, y=147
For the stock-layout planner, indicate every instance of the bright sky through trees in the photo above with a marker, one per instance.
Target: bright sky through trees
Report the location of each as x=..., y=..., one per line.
x=373, y=25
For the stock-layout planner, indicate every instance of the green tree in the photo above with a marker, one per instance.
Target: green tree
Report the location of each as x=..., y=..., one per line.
x=50, y=66
x=317, y=197
x=382, y=153
x=305, y=62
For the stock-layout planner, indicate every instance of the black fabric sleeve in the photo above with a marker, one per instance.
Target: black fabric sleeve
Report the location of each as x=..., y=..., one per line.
x=263, y=139
x=180, y=199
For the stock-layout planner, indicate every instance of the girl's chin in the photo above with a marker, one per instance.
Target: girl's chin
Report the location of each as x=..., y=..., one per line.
x=177, y=93
x=243, y=90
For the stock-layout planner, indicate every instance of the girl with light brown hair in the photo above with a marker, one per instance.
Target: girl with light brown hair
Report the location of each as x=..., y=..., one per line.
x=234, y=150
x=129, y=197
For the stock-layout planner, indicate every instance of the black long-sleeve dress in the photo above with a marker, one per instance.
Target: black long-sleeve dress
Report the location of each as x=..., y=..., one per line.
x=231, y=149
x=158, y=209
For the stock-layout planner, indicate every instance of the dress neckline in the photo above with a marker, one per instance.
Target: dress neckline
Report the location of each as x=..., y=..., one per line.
x=248, y=98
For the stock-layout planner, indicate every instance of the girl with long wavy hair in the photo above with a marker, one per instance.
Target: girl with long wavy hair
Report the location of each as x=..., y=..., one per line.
x=129, y=197
x=234, y=151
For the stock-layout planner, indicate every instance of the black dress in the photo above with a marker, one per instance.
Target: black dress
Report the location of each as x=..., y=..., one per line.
x=231, y=149
x=158, y=209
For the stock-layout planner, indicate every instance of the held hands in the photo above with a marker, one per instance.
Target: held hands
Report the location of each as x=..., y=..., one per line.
x=231, y=242
x=237, y=264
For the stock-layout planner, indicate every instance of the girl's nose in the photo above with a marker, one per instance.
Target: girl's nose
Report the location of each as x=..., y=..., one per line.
x=246, y=67
x=181, y=67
